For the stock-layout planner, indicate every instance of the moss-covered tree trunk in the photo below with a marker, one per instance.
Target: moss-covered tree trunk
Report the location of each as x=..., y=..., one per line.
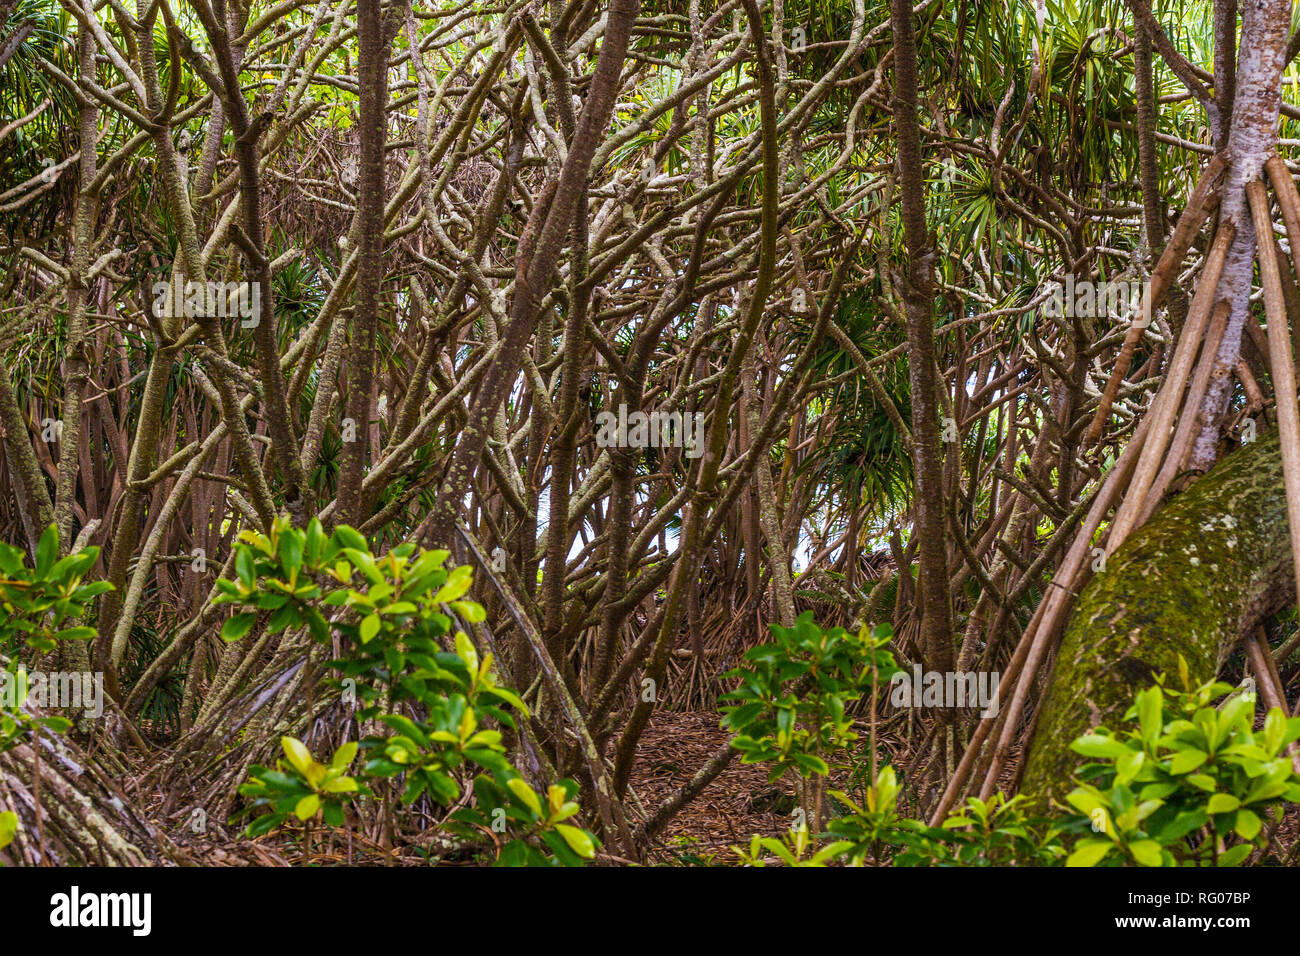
x=1201, y=574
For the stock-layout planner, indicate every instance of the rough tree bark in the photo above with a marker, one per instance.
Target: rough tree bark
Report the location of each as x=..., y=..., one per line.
x=369, y=229
x=1252, y=135
x=918, y=297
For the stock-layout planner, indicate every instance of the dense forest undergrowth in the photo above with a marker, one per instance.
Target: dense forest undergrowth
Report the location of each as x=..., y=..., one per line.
x=688, y=432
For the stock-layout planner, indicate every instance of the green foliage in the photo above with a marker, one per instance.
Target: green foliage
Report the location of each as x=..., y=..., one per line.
x=1186, y=782
x=393, y=615
x=41, y=604
x=996, y=832
x=458, y=695
x=871, y=832
x=506, y=804
x=789, y=710
x=993, y=832
x=792, y=849
x=302, y=788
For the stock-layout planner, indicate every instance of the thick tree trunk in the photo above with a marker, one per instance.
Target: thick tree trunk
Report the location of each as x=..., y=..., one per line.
x=1195, y=579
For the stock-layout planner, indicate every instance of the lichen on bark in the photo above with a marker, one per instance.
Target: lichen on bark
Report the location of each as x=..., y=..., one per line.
x=1192, y=581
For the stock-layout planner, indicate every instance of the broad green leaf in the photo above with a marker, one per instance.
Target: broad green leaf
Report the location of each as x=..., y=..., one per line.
x=1089, y=852
x=307, y=807
x=1222, y=803
x=1146, y=852
x=237, y=626
x=526, y=794
x=1248, y=824
x=298, y=754
x=579, y=842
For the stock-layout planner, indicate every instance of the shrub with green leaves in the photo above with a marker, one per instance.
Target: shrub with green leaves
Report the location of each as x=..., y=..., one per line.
x=301, y=787
x=457, y=697
x=41, y=605
x=789, y=709
x=443, y=703
x=993, y=832
x=874, y=831
x=795, y=848
x=1186, y=782
x=507, y=805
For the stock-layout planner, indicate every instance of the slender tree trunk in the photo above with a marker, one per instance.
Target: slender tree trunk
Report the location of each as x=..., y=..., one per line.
x=372, y=71
x=918, y=300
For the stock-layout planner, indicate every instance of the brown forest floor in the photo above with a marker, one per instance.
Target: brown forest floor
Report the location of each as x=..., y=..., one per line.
x=735, y=806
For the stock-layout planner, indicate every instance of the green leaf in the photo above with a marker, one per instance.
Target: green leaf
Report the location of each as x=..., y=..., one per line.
x=1248, y=824
x=290, y=551
x=244, y=566
x=1089, y=852
x=466, y=651
x=579, y=842
x=298, y=754
x=1127, y=766
x=307, y=807
x=1274, y=730
x=1185, y=761
x=237, y=626
x=458, y=582
x=471, y=612
x=1235, y=855
x=1098, y=745
x=349, y=537
x=369, y=627
x=1146, y=852
x=1222, y=803
x=344, y=755
x=1149, y=703
x=47, y=551
x=8, y=828
x=334, y=814
x=340, y=785
x=526, y=795
x=1085, y=801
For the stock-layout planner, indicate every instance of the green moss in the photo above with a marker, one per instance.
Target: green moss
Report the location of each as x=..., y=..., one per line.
x=1201, y=573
